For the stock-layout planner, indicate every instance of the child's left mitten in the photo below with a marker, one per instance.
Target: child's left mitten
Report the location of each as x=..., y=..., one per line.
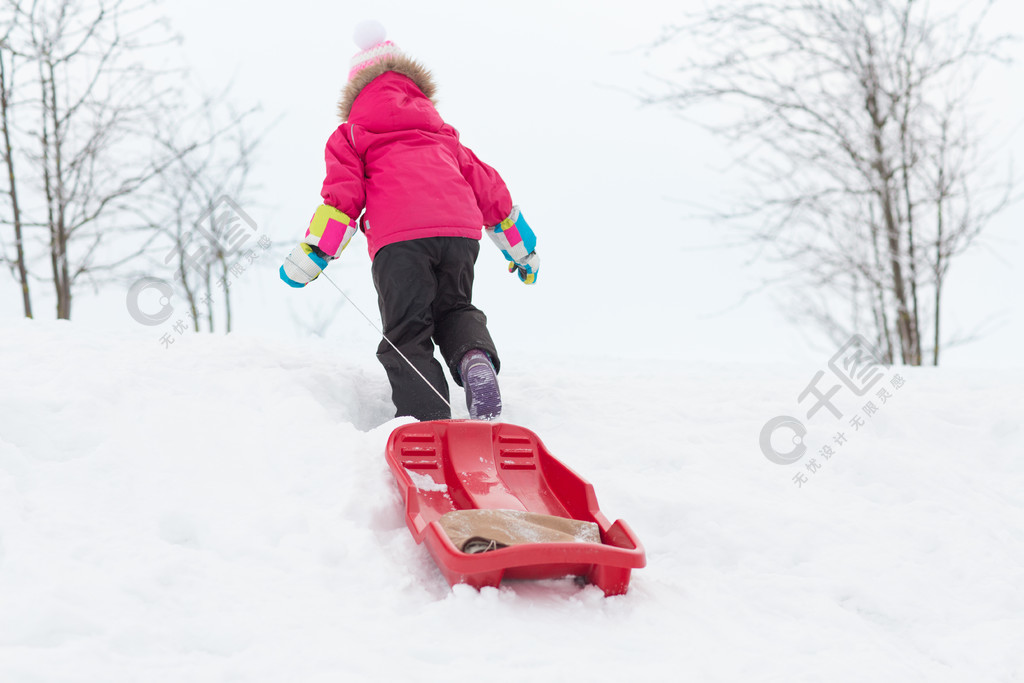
x=514, y=237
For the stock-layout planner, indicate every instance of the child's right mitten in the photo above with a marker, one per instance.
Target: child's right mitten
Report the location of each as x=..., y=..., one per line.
x=517, y=242
x=329, y=232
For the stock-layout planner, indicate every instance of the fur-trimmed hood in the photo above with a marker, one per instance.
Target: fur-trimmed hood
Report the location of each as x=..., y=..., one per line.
x=399, y=64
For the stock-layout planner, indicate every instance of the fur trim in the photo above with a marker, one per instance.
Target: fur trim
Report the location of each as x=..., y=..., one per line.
x=399, y=64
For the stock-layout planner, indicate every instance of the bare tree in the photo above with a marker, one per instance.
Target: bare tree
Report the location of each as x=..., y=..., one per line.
x=18, y=264
x=213, y=149
x=869, y=174
x=87, y=148
x=120, y=160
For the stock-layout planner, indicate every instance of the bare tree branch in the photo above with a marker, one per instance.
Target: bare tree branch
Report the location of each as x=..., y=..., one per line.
x=869, y=174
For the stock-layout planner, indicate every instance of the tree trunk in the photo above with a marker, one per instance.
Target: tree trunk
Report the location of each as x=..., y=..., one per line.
x=883, y=192
x=881, y=317
x=51, y=219
x=227, y=293
x=938, y=299
x=939, y=262
x=209, y=298
x=907, y=161
x=19, y=243
x=915, y=326
x=903, y=322
x=61, y=232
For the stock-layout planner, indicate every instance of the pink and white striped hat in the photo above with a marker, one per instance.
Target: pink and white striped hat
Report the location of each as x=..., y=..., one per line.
x=373, y=48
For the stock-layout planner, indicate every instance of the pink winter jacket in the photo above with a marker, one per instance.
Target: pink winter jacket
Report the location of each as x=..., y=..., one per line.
x=399, y=160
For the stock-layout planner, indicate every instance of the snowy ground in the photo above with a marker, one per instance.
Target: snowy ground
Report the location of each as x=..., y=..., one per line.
x=221, y=511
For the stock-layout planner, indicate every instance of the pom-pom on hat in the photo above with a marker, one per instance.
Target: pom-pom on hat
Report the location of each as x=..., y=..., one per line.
x=373, y=48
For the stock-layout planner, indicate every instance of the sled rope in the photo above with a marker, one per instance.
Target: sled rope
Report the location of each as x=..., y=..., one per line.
x=377, y=327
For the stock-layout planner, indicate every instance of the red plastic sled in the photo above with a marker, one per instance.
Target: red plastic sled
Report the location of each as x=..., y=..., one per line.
x=486, y=465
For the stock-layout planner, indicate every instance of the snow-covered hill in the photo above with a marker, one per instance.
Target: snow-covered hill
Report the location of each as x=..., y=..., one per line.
x=221, y=511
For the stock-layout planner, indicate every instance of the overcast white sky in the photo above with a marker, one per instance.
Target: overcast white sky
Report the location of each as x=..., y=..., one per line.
x=537, y=89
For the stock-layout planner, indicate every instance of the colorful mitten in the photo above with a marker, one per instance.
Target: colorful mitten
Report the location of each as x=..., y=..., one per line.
x=302, y=266
x=328, y=234
x=518, y=243
x=528, y=270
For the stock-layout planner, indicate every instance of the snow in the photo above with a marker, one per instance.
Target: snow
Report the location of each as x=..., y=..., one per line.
x=425, y=483
x=221, y=510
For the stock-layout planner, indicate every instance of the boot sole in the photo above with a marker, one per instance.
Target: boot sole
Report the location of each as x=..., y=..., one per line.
x=482, y=395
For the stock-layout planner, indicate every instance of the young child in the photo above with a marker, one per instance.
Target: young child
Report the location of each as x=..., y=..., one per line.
x=426, y=199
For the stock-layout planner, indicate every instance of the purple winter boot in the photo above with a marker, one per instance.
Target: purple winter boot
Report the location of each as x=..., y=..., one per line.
x=481, y=383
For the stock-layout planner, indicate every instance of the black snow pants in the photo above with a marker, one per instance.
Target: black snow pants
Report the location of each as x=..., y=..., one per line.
x=425, y=291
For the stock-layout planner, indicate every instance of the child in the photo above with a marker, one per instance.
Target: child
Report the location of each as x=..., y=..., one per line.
x=426, y=198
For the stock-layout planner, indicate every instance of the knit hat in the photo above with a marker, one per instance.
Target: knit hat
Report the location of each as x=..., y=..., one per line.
x=378, y=56
x=373, y=48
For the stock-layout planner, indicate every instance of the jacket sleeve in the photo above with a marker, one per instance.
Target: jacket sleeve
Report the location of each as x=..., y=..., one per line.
x=492, y=196
x=344, y=186
x=344, y=193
